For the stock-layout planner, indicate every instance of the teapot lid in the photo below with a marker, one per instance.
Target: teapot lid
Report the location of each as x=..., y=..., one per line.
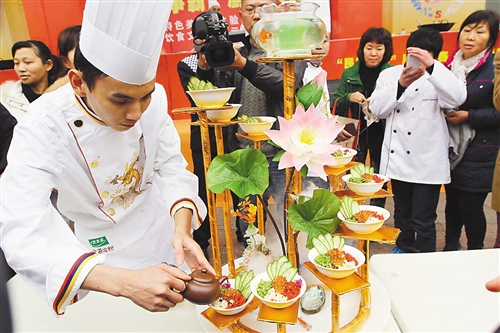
x=202, y=276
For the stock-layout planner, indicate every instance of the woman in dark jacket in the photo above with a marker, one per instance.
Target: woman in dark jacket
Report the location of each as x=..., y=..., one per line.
x=474, y=132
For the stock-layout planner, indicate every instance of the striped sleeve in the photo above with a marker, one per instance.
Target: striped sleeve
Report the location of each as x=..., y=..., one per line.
x=67, y=294
x=187, y=203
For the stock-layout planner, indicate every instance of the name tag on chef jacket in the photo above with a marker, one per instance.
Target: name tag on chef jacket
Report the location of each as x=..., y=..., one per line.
x=116, y=163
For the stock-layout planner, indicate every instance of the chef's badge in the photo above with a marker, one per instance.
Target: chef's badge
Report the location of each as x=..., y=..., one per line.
x=101, y=245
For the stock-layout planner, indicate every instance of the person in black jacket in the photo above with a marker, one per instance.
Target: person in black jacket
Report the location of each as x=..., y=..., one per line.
x=186, y=68
x=474, y=132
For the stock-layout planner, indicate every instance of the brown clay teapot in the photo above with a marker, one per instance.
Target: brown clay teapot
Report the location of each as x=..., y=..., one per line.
x=203, y=288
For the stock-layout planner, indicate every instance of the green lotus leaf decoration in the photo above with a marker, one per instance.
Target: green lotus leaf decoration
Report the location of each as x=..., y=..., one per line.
x=315, y=216
x=244, y=171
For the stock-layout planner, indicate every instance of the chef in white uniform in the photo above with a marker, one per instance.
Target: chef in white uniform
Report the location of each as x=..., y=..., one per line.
x=415, y=148
x=107, y=144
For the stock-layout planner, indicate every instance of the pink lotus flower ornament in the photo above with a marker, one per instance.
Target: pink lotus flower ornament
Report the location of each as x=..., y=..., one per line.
x=307, y=140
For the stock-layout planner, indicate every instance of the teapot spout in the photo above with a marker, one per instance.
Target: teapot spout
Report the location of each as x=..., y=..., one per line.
x=222, y=279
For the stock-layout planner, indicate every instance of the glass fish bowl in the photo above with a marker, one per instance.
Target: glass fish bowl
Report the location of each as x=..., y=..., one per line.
x=290, y=28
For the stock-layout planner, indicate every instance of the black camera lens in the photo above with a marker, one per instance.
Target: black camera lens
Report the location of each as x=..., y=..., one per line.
x=219, y=54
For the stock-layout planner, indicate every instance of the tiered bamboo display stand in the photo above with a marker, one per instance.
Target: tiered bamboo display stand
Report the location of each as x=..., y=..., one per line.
x=357, y=281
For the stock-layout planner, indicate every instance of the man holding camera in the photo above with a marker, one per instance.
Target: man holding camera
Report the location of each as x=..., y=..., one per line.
x=259, y=88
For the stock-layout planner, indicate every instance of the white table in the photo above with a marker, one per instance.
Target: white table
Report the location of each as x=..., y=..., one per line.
x=103, y=313
x=442, y=291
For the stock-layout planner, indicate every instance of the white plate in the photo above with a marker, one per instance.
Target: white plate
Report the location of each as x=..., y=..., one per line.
x=321, y=322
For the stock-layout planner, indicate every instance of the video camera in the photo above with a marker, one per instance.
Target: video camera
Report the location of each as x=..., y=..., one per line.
x=212, y=27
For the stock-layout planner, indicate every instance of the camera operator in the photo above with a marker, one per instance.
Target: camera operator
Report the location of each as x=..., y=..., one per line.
x=186, y=68
x=259, y=88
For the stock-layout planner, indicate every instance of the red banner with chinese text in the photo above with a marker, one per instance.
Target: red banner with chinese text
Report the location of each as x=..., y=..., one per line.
x=178, y=36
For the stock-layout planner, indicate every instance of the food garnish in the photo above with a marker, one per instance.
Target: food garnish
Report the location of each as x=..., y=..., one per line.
x=282, y=286
x=341, y=152
x=197, y=84
x=330, y=254
x=249, y=120
x=232, y=297
x=361, y=173
x=350, y=210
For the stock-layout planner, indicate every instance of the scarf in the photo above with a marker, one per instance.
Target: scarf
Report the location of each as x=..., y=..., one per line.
x=462, y=134
x=462, y=67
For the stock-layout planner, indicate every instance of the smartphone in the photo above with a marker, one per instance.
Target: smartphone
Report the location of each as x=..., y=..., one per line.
x=412, y=61
x=449, y=110
x=351, y=129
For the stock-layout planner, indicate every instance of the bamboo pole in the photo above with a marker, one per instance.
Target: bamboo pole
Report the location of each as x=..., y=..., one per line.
x=212, y=213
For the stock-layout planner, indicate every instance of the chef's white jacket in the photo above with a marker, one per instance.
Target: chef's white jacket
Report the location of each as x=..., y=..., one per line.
x=416, y=139
x=120, y=188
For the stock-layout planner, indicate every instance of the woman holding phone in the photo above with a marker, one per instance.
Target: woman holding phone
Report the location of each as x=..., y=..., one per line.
x=356, y=86
x=474, y=132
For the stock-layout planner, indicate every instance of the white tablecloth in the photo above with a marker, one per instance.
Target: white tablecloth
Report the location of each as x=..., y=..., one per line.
x=443, y=291
x=100, y=312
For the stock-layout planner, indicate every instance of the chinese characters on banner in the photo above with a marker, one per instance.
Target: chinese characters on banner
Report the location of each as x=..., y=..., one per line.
x=178, y=37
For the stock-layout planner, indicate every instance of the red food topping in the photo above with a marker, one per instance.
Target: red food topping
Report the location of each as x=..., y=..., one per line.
x=363, y=215
x=350, y=258
x=291, y=290
x=233, y=297
x=377, y=179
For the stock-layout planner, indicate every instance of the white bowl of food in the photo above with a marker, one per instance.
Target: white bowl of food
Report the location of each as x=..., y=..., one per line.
x=225, y=114
x=369, y=219
x=211, y=97
x=366, y=187
x=230, y=301
x=354, y=258
x=257, y=128
x=274, y=299
x=343, y=156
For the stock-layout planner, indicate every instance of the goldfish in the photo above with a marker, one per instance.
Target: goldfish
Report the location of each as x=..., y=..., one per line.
x=264, y=36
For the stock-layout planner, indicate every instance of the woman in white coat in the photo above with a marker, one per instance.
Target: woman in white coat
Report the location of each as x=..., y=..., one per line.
x=415, y=147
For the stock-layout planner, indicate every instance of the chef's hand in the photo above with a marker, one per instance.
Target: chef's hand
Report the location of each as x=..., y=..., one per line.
x=155, y=288
x=457, y=117
x=494, y=285
x=186, y=249
x=343, y=136
x=357, y=97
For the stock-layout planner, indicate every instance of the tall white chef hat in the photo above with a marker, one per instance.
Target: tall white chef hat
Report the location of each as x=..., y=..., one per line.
x=212, y=3
x=124, y=38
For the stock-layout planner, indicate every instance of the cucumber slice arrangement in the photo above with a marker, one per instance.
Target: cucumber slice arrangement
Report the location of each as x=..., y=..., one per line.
x=250, y=120
x=197, y=84
x=242, y=282
x=359, y=170
x=327, y=242
x=281, y=267
x=348, y=208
